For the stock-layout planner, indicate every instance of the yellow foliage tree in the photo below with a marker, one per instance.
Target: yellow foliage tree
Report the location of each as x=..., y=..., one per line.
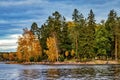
x=5, y=56
x=72, y=52
x=66, y=53
x=37, y=50
x=28, y=46
x=52, y=51
x=70, y=24
x=20, y=48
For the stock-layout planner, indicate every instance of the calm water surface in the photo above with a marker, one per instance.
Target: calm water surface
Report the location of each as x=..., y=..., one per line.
x=59, y=72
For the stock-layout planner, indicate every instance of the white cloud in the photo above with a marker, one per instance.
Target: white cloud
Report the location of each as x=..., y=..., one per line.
x=8, y=44
x=7, y=48
x=15, y=36
x=11, y=43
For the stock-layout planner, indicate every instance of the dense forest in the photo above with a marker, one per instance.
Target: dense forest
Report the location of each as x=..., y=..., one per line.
x=81, y=39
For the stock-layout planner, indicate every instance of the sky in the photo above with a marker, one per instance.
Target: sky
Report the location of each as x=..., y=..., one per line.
x=18, y=14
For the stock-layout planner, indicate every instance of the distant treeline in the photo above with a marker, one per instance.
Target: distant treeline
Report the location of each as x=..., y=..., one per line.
x=8, y=56
x=81, y=39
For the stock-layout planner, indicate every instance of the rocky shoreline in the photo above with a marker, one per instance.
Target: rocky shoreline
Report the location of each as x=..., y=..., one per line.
x=67, y=63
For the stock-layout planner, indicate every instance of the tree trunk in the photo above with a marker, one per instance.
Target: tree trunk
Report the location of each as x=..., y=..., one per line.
x=56, y=45
x=116, y=48
x=76, y=47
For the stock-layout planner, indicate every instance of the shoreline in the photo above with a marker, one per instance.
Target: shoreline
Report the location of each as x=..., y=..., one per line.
x=95, y=62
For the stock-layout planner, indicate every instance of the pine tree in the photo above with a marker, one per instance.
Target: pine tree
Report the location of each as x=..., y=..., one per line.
x=111, y=27
x=89, y=36
x=44, y=32
x=65, y=42
x=34, y=28
x=75, y=15
x=75, y=31
x=118, y=36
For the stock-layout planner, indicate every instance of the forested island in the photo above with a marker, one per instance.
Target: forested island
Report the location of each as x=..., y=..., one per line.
x=76, y=41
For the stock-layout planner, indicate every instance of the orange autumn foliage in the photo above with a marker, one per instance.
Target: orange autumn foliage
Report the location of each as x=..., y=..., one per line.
x=28, y=46
x=11, y=56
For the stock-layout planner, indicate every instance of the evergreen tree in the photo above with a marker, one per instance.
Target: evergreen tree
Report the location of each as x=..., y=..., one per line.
x=89, y=36
x=75, y=15
x=102, y=42
x=118, y=36
x=65, y=42
x=34, y=28
x=111, y=27
x=44, y=33
x=75, y=31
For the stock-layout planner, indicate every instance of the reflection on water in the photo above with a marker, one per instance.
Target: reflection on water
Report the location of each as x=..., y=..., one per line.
x=59, y=72
x=29, y=75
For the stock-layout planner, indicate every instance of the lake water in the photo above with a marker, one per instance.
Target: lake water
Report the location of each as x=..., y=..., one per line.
x=59, y=72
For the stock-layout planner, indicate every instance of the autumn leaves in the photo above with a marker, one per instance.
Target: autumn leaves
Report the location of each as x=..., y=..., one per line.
x=29, y=48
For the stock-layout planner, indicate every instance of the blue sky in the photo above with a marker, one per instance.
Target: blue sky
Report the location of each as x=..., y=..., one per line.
x=18, y=14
